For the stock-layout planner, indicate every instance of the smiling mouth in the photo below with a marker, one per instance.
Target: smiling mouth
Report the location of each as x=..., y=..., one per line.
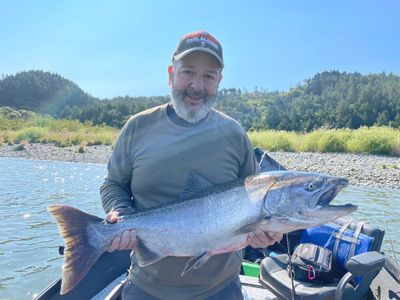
x=194, y=100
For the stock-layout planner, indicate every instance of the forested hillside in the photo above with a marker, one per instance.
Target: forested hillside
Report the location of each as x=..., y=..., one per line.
x=329, y=99
x=41, y=92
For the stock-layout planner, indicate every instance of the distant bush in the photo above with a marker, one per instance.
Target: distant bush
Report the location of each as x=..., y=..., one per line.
x=33, y=135
x=273, y=140
x=46, y=129
x=374, y=140
x=9, y=113
x=326, y=140
x=21, y=146
x=369, y=140
x=81, y=148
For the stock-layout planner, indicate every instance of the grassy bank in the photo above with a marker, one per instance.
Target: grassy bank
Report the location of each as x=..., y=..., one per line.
x=43, y=129
x=60, y=132
x=369, y=140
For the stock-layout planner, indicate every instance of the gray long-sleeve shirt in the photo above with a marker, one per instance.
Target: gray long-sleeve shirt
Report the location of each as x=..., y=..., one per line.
x=149, y=166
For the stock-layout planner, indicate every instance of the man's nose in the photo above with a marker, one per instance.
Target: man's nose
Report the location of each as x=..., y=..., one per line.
x=198, y=83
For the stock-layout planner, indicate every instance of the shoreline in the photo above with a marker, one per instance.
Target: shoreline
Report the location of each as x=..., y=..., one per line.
x=360, y=169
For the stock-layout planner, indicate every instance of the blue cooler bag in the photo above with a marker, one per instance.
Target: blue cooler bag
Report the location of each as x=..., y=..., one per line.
x=343, y=242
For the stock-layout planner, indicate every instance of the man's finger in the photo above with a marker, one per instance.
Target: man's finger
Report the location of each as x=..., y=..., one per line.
x=276, y=236
x=114, y=244
x=263, y=238
x=125, y=240
x=253, y=241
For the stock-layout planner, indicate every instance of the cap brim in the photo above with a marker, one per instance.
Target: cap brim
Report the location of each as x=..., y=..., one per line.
x=202, y=49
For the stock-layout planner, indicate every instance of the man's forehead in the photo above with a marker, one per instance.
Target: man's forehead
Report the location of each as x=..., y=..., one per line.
x=197, y=58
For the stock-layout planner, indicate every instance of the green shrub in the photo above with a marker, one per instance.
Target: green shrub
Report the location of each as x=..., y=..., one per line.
x=9, y=113
x=32, y=135
x=370, y=140
x=272, y=140
x=326, y=140
x=81, y=148
x=332, y=141
x=21, y=146
x=373, y=140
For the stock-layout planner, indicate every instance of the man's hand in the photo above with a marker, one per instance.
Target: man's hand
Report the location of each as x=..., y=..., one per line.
x=261, y=239
x=124, y=241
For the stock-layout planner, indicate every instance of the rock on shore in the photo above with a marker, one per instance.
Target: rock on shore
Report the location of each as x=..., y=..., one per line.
x=360, y=169
x=367, y=170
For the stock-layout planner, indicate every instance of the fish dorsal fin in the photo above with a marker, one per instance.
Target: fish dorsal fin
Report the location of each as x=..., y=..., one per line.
x=195, y=184
x=144, y=255
x=196, y=262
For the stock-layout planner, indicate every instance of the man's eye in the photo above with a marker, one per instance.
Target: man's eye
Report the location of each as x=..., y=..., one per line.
x=210, y=77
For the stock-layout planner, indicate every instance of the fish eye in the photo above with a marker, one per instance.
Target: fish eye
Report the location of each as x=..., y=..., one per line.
x=311, y=187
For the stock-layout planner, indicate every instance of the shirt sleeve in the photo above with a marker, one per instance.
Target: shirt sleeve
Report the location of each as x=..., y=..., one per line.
x=115, y=192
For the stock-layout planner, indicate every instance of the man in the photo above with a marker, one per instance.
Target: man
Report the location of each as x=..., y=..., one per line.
x=156, y=151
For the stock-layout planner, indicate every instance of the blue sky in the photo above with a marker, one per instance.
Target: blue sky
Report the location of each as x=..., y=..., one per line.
x=118, y=48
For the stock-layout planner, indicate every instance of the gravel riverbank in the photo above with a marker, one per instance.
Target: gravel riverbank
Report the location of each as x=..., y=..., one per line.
x=367, y=170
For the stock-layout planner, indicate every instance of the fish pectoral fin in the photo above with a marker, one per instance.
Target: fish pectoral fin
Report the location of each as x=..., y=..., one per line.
x=196, y=262
x=144, y=255
x=252, y=226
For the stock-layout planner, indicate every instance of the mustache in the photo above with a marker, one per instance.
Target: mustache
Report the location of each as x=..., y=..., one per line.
x=196, y=94
x=188, y=113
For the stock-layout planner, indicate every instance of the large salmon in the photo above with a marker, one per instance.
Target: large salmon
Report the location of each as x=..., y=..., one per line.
x=208, y=220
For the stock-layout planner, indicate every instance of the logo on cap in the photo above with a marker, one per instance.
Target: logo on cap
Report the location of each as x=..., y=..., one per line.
x=199, y=41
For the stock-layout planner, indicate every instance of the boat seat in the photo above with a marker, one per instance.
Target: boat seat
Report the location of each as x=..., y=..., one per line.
x=365, y=263
x=274, y=275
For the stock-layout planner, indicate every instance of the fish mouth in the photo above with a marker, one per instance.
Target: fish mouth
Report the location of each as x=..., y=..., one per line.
x=327, y=196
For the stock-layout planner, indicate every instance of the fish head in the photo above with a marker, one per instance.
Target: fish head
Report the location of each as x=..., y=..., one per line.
x=299, y=200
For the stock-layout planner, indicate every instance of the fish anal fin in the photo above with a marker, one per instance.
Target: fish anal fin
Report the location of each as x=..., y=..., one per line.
x=262, y=223
x=144, y=255
x=196, y=262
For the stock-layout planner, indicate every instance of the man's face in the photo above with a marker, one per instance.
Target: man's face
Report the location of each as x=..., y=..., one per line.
x=194, y=85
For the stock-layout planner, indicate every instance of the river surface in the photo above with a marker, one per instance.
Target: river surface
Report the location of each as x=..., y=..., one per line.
x=29, y=240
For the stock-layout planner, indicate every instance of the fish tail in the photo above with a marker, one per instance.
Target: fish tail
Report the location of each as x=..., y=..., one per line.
x=79, y=254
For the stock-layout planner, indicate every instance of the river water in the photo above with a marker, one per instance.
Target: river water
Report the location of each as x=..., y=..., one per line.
x=29, y=240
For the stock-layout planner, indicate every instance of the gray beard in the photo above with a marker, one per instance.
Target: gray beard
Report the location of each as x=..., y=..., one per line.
x=191, y=114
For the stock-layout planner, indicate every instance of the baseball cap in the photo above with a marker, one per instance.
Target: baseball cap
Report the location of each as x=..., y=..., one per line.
x=199, y=41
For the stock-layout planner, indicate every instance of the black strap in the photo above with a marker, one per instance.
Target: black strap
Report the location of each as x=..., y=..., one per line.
x=339, y=236
x=291, y=271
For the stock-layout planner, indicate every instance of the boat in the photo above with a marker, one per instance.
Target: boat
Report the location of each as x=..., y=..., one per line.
x=264, y=272
x=105, y=279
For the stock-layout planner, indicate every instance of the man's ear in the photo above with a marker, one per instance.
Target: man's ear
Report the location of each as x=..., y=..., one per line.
x=170, y=72
x=220, y=78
